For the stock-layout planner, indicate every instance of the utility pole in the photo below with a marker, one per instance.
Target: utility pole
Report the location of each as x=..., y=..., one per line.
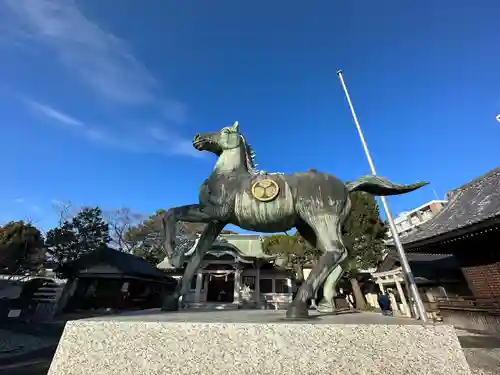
x=409, y=279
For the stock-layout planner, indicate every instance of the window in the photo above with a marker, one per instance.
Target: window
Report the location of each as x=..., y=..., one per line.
x=282, y=286
x=193, y=283
x=249, y=281
x=266, y=285
x=414, y=220
x=427, y=214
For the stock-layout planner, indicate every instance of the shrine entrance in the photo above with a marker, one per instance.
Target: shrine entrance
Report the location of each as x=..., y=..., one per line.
x=220, y=284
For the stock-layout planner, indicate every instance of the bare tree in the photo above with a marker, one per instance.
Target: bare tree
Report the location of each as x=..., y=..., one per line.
x=121, y=222
x=30, y=220
x=64, y=210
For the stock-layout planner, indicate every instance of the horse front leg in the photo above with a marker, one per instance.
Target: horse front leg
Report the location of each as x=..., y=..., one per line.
x=207, y=238
x=193, y=213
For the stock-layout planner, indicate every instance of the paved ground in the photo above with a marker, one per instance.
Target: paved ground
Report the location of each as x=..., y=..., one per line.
x=20, y=343
x=256, y=316
x=37, y=363
x=30, y=360
x=482, y=351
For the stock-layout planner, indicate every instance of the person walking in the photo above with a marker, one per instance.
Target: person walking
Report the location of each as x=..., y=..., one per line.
x=385, y=303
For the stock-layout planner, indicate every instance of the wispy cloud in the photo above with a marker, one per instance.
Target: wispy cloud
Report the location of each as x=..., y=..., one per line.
x=26, y=206
x=63, y=119
x=102, y=61
x=55, y=114
x=177, y=145
x=156, y=140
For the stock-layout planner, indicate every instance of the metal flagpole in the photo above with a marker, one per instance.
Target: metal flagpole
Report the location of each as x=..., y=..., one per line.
x=409, y=279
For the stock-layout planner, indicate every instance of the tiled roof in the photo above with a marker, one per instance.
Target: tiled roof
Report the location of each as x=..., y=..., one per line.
x=126, y=263
x=472, y=203
x=247, y=246
x=426, y=267
x=443, y=260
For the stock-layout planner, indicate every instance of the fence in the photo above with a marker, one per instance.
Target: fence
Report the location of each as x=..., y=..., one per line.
x=481, y=314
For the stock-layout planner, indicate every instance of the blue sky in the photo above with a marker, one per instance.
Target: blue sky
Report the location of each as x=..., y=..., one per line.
x=99, y=102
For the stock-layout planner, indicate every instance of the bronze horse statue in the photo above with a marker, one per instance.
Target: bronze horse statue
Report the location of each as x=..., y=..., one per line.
x=315, y=203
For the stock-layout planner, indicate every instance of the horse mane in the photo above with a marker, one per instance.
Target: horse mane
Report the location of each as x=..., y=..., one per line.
x=250, y=159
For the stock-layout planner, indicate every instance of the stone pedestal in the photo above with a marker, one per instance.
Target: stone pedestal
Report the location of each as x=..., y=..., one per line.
x=256, y=342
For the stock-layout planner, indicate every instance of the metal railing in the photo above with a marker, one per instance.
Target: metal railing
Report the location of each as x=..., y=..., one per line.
x=490, y=305
x=472, y=313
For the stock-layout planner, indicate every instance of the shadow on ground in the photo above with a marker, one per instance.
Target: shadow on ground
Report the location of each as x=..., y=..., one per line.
x=36, y=362
x=480, y=340
x=51, y=331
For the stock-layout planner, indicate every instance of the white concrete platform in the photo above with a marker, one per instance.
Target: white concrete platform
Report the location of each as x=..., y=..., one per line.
x=256, y=342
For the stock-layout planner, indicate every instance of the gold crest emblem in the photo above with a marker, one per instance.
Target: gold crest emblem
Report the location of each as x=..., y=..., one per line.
x=265, y=190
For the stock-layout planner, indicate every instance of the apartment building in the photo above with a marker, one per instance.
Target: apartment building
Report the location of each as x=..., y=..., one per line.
x=407, y=221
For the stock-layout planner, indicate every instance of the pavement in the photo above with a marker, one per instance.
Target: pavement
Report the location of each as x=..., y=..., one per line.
x=14, y=344
x=481, y=350
x=34, y=363
x=28, y=348
x=256, y=316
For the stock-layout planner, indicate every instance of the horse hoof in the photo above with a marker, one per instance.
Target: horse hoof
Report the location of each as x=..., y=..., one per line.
x=297, y=312
x=326, y=308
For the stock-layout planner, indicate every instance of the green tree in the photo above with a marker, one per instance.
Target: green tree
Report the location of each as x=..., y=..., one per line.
x=293, y=252
x=21, y=247
x=153, y=255
x=146, y=238
x=85, y=232
x=363, y=234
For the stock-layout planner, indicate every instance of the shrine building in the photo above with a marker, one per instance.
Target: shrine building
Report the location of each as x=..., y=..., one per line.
x=236, y=273
x=467, y=229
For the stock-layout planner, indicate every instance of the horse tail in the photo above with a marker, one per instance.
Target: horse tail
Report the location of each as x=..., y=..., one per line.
x=381, y=186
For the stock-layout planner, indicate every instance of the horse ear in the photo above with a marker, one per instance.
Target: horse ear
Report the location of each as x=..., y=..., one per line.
x=236, y=126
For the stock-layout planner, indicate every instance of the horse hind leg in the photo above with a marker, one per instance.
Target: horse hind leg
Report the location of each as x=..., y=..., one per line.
x=328, y=237
x=327, y=304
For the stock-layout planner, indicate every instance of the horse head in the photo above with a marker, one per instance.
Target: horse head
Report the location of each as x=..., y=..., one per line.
x=231, y=140
x=227, y=138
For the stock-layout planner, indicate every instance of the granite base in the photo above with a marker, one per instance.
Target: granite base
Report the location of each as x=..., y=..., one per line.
x=258, y=343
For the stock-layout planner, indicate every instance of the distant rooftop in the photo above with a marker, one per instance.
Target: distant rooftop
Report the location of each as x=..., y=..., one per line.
x=403, y=215
x=475, y=202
